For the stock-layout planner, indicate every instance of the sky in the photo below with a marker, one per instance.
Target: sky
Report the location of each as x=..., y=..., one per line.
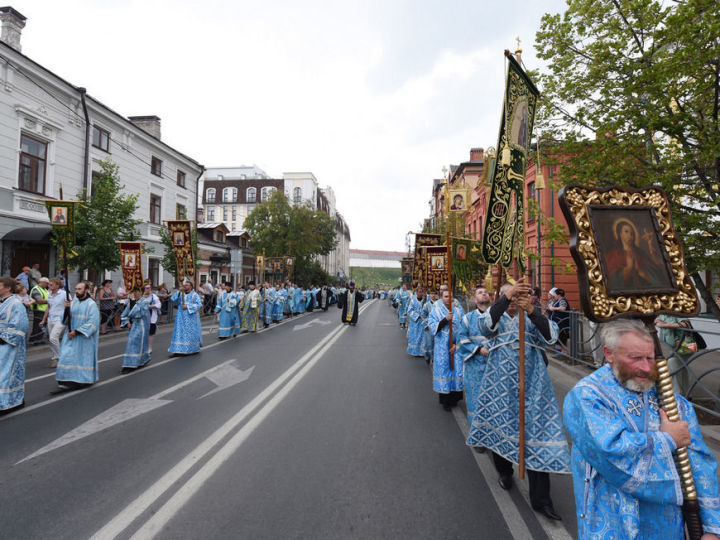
x=374, y=97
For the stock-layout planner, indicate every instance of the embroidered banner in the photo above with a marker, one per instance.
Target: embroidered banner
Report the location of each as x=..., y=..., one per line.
x=181, y=238
x=504, y=233
x=436, y=267
x=277, y=268
x=459, y=199
x=418, y=268
x=62, y=219
x=131, y=264
x=260, y=269
x=467, y=267
x=406, y=265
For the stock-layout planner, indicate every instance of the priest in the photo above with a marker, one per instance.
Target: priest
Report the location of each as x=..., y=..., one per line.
x=447, y=380
x=78, y=363
x=187, y=332
x=251, y=309
x=349, y=302
x=418, y=318
x=136, y=316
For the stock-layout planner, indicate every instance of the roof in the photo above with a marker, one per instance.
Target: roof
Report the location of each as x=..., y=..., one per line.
x=211, y=226
x=241, y=172
x=237, y=233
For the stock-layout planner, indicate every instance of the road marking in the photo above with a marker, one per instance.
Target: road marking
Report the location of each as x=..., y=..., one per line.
x=223, y=376
x=135, y=509
x=308, y=324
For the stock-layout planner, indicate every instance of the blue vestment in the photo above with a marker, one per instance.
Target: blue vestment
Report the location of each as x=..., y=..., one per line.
x=428, y=336
x=625, y=481
x=290, y=301
x=496, y=421
x=13, y=331
x=445, y=380
x=402, y=300
x=136, y=350
x=251, y=310
x=299, y=300
x=229, y=319
x=416, y=328
x=468, y=352
x=269, y=304
x=187, y=332
x=279, y=306
x=78, y=356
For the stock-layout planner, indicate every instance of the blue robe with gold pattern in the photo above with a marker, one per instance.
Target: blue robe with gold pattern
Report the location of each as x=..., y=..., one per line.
x=187, y=332
x=13, y=331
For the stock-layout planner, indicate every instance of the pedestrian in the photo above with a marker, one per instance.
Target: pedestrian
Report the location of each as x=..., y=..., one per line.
x=624, y=476
x=78, y=363
x=187, y=332
x=323, y=298
x=496, y=419
x=35, y=273
x=53, y=319
x=13, y=333
x=154, y=305
x=473, y=350
x=136, y=317
x=349, y=302
x=416, y=330
x=22, y=294
x=226, y=307
x=559, y=309
x=251, y=308
x=24, y=277
x=402, y=299
x=121, y=297
x=39, y=294
x=106, y=299
x=447, y=379
x=209, y=298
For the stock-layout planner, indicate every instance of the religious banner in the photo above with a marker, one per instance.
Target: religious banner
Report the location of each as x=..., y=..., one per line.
x=290, y=266
x=467, y=267
x=62, y=219
x=459, y=199
x=436, y=267
x=260, y=268
x=504, y=235
x=277, y=268
x=181, y=238
x=131, y=264
x=406, y=264
x=418, y=268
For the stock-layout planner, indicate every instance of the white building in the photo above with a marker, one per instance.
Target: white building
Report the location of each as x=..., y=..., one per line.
x=53, y=133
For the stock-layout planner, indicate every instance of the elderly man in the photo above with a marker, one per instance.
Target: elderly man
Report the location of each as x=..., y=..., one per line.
x=624, y=476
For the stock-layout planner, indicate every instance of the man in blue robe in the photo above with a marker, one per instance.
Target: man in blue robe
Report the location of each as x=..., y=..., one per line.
x=279, y=306
x=624, y=476
x=136, y=316
x=473, y=352
x=187, y=332
x=78, y=363
x=13, y=333
x=447, y=380
x=402, y=299
x=496, y=420
x=416, y=330
x=251, y=308
x=290, y=309
x=227, y=304
x=269, y=297
x=428, y=336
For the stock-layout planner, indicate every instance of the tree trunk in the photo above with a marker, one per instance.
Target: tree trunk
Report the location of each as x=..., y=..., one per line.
x=706, y=295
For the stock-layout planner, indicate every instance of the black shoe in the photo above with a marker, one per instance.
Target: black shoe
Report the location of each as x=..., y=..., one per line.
x=125, y=370
x=506, y=482
x=479, y=449
x=549, y=512
x=447, y=407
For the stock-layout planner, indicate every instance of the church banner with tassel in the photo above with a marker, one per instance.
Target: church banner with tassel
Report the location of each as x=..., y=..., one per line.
x=260, y=269
x=418, y=267
x=504, y=234
x=131, y=264
x=62, y=219
x=181, y=238
x=436, y=267
x=467, y=267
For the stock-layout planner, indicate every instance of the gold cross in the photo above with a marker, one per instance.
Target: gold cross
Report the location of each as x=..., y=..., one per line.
x=518, y=42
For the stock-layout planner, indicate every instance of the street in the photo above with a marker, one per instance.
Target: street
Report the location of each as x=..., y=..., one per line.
x=309, y=429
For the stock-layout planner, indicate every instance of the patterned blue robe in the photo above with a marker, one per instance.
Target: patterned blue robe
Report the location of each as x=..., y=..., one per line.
x=279, y=306
x=299, y=300
x=625, y=481
x=229, y=320
x=445, y=380
x=136, y=350
x=495, y=424
x=78, y=356
x=13, y=331
x=470, y=343
x=402, y=299
x=187, y=332
x=269, y=304
x=290, y=301
x=416, y=328
x=251, y=310
x=428, y=336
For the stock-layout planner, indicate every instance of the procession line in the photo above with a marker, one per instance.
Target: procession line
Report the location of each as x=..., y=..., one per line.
x=134, y=510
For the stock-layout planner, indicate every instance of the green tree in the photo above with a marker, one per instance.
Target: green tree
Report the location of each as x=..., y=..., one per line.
x=104, y=217
x=632, y=94
x=279, y=229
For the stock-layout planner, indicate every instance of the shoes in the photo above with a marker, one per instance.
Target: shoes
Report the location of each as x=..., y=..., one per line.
x=125, y=370
x=447, y=407
x=51, y=364
x=548, y=511
x=506, y=482
x=479, y=449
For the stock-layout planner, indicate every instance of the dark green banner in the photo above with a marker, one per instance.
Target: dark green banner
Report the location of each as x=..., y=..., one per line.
x=62, y=219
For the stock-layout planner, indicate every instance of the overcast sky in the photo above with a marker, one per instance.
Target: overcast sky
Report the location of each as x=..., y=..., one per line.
x=374, y=97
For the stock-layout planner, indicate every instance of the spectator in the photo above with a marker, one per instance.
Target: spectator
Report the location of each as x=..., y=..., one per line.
x=53, y=319
x=35, y=273
x=106, y=299
x=24, y=277
x=22, y=294
x=154, y=307
x=39, y=293
x=163, y=294
x=535, y=298
x=560, y=316
x=209, y=292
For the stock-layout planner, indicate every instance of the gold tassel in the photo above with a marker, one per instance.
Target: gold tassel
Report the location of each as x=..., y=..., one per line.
x=489, y=281
x=506, y=157
x=539, y=180
x=509, y=279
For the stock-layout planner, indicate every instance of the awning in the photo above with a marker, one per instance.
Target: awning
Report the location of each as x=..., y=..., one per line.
x=29, y=234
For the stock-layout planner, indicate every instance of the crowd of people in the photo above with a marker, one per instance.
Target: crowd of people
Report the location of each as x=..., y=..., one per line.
x=621, y=457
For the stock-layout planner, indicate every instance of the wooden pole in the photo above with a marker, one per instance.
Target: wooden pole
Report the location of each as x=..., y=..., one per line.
x=67, y=317
x=450, y=289
x=521, y=384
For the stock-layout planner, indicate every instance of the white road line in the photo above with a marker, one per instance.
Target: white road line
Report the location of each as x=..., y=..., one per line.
x=120, y=522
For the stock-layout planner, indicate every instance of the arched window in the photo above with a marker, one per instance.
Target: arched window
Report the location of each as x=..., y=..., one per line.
x=210, y=195
x=229, y=194
x=234, y=195
x=251, y=194
x=265, y=193
x=297, y=195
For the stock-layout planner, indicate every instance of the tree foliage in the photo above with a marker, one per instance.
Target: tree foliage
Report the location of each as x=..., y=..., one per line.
x=280, y=229
x=104, y=217
x=631, y=96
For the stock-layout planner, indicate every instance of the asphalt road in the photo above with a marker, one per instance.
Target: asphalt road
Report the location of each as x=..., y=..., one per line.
x=309, y=429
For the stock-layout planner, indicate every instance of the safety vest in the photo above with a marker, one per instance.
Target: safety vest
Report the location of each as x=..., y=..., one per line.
x=44, y=293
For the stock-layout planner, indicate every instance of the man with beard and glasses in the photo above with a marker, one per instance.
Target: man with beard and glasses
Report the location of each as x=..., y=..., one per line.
x=624, y=476
x=78, y=363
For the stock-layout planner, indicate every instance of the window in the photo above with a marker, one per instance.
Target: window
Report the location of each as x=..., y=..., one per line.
x=155, y=209
x=156, y=166
x=180, y=211
x=243, y=242
x=265, y=193
x=33, y=154
x=154, y=271
x=101, y=139
x=210, y=194
x=297, y=195
x=181, y=179
x=229, y=194
x=233, y=226
x=219, y=236
x=251, y=194
x=225, y=213
x=234, y=213
x=210, y=214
